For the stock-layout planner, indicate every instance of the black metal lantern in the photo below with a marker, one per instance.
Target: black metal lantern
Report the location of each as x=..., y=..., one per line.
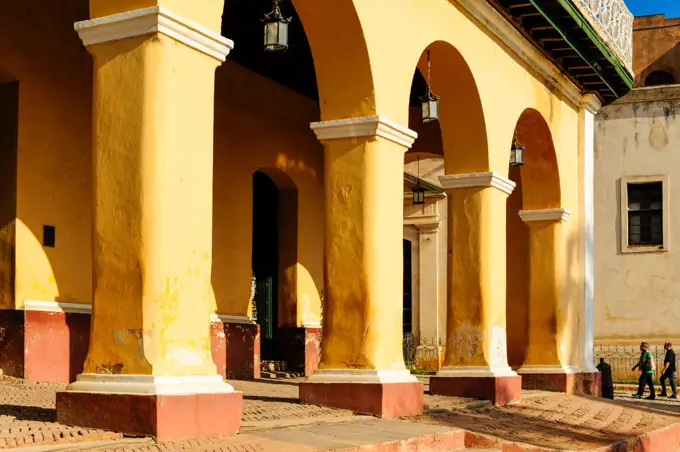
x=276, y=30
x=418, y=194
x=516, y=153
x=429, y=102
x=418, y=190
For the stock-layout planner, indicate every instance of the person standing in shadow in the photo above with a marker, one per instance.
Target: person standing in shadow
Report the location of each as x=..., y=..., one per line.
x=607, y=380
x=668, y=372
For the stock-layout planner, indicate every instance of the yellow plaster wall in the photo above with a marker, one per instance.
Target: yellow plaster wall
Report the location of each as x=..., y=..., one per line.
x=258, y=125
x=636, y=295
x=262, y=126
x=39, y=48
x=277, y=137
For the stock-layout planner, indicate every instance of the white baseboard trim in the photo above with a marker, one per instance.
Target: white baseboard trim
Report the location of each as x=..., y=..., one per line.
x=232, y=319
x=150, y=384
x=56, y=306
x=556, y=369
x=361, y=376
x=476, y=372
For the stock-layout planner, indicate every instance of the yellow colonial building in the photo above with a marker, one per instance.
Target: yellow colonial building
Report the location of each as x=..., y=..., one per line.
x=159, y=157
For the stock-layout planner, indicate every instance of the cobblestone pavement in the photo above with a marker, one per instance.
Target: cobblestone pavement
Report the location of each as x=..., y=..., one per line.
x=543, y=419
x=27, y=417
x=561, y=422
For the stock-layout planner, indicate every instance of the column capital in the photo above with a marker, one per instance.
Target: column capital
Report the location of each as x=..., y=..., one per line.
x=529, y=216
x=153, y=20
x=366, y=126
x=488, y=179
x=591, y=102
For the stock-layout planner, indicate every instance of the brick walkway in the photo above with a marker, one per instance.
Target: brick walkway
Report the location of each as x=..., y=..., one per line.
x=274, y=421
x=557, y=422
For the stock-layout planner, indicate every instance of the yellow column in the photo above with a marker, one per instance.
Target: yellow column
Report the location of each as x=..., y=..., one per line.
x=476, y=363
x=476, y=330
x=545, y=287
x=363, y=302
x=152, y=227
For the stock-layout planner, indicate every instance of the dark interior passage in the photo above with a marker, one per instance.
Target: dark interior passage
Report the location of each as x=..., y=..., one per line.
x=265, y=259
x=9, y=130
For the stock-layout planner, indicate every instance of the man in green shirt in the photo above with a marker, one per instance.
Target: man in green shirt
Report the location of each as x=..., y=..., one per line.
x=646, y=366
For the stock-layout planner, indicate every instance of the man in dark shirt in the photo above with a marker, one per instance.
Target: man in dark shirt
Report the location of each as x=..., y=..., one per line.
x=668, y=371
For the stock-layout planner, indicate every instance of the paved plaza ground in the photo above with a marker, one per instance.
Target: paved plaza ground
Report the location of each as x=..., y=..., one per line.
x=274, y=421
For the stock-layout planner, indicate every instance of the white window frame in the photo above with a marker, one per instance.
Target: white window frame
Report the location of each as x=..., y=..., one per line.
x=665, y=193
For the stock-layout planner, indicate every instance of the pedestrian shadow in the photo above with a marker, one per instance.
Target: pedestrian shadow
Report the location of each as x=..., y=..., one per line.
x=29, y=413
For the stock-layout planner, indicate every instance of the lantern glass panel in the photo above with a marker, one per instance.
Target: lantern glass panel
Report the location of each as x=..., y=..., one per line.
x=434, y=109
x=418, y=195
x=426, y=110
x=276, y=36
x=430, y=110
x=517, y=156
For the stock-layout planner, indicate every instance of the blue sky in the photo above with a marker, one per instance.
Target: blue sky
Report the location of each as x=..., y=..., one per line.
x=644, y=7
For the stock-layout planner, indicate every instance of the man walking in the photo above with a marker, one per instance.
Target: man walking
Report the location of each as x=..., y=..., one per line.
x=646, y=365
x=668, y=371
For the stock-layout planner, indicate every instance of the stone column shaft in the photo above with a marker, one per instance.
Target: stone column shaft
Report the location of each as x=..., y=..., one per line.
x=150, y=342
x=362, y=365
x=545, y=288
x=476, y=363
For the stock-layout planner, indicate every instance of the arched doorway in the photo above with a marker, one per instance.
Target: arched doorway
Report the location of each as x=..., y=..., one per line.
x=275, y=270
x=265, y=260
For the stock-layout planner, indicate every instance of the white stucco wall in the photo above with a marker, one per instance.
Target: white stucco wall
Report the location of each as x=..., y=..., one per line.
x=637, y=295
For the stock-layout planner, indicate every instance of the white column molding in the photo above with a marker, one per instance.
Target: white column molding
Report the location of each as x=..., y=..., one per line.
x=426, y=222
x=150, y=384
x=367, y=126
x=56, y=306
x=586, y=152
x=361, y=376
x=556, y=369
x=148, y=21
x=529, y=216
x=591, y=103
x=232, y=319
x=476, y=372
x=490, y=179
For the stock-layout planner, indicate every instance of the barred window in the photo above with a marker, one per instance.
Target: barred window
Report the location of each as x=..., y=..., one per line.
x=645, y=214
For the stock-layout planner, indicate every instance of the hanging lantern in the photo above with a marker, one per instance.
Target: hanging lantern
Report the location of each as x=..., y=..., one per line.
x=418, y=194
x=516, y=153
x=418, y=190
x=429, y=102
x=276, y=30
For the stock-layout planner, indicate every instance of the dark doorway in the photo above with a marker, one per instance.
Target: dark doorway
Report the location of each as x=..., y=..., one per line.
x=408, y=289
x=9, y=131
x=265, y=259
